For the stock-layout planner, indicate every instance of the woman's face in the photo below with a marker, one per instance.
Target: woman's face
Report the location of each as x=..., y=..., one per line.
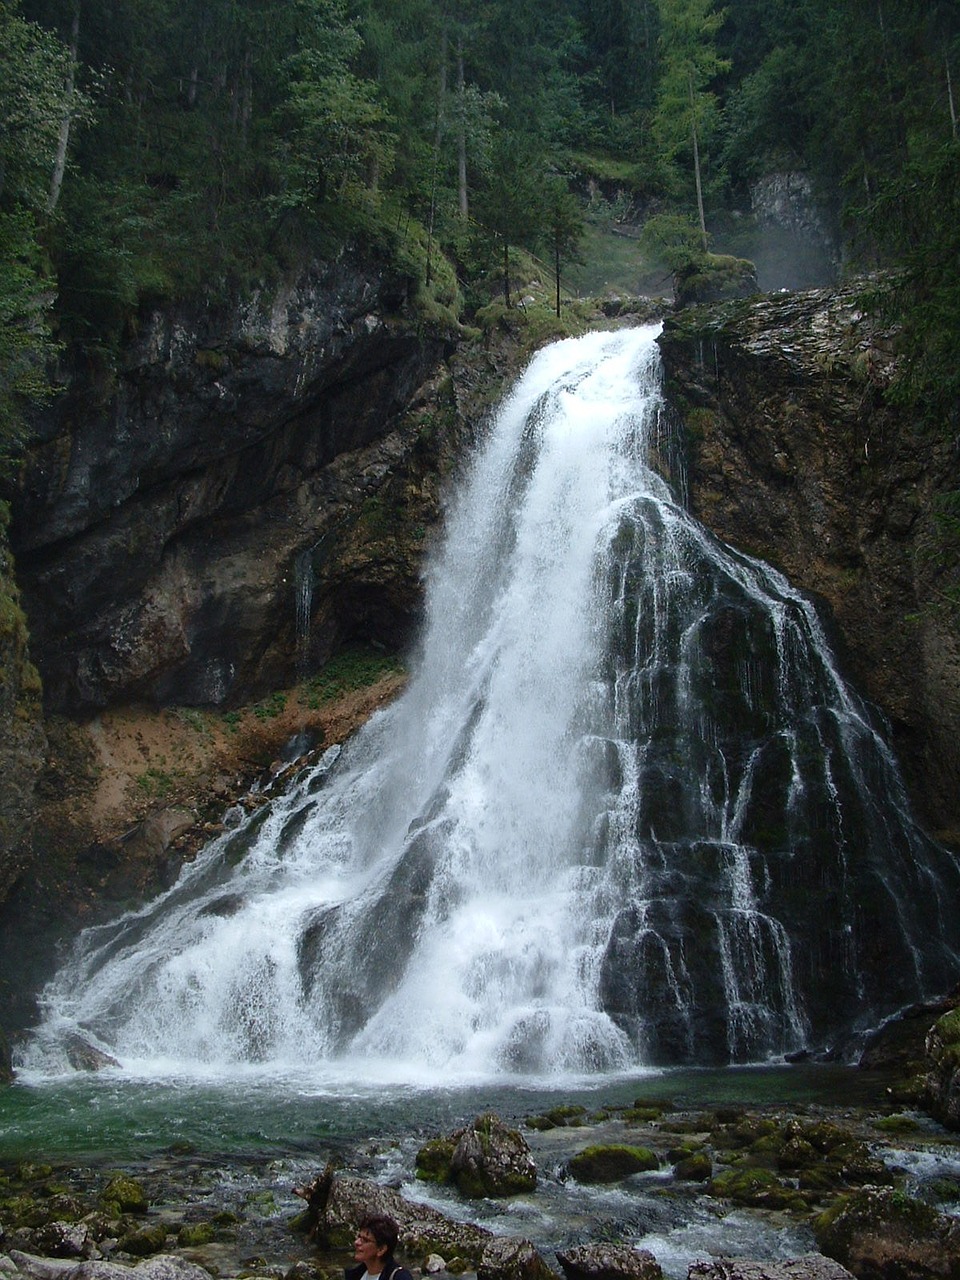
x=367, y=1251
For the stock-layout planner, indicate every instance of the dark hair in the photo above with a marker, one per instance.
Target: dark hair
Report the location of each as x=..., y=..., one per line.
x=383, y=1229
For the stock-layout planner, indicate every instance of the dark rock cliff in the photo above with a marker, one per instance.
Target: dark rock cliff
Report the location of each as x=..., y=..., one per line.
x=173, y=515
x=795, y=456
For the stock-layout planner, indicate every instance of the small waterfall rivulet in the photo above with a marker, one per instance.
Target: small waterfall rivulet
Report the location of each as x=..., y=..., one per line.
x=627, y=811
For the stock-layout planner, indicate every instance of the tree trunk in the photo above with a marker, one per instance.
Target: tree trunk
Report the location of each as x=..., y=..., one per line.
x=437, y=140
x=953, y=105
x=696, y=163
x=63, y=138
x=506, y=271
x=463, y=200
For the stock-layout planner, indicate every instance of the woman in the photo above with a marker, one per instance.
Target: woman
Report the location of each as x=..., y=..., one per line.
x=373, y=1247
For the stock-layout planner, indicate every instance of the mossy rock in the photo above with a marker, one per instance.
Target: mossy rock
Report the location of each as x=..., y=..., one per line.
x=897, y=1124
x=490, y=1159
x=819, y=1178
x=878, y=1231
x=642, y=1115
x=948, y=1027
x=758, y=1188
x=696, y=1167
x=126, y=1193
x=611, y=1163
x=193, y=1235
x=28, y=1172
x=797, y=1153
x=714, y=277
x=858, y=1167
x=144, y=1241
x=654, y=1104
x=433, y=1160
x=24, y=1211
x=826, y=1136
x=768, y=1147
x=567, y=1115
x=746, y=1131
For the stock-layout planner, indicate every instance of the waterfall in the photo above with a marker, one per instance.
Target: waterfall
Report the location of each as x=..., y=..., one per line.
x=626, y=813
x=303, y=597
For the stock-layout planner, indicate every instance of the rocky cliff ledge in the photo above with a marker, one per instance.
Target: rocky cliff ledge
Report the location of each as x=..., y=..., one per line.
x=179, y=517
x=796, y=456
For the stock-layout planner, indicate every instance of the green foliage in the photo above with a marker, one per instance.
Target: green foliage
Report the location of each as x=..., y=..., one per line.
x=33, y=73
x=25, y=343
x=353, y=668
x=271, y=707
x=673, y=239
x=916, y=217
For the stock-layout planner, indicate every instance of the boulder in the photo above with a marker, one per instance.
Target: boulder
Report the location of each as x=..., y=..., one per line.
x=144, y=1240
x=695, y=1167
x=714, y=277
x=126, y=1193
x=608, y=1262
x=83, y=1056
x=336, y=1203
x=611, y=1163
x=490, y=1159
x=512, y=1258
x=64, y=1240
x=812, y=1266
x=880, y=1234
x=37, y=1268
x=942, y=1081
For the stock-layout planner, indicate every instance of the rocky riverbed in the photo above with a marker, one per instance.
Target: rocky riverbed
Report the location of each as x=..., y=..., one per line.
x=643, y=1190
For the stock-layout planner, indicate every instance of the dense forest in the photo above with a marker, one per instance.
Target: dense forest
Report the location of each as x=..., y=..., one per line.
x=182, y=150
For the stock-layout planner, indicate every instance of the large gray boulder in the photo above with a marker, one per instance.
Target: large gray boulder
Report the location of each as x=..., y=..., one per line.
x=512, y=1258
x=609, y=1262
x=490, y=1159
x=812, y=1266
x=336, y=1203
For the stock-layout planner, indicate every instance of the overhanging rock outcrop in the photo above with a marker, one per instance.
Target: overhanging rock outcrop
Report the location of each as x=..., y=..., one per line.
x=796, y=456
x=242, y=465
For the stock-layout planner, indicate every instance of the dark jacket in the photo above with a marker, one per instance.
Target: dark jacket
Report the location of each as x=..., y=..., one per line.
x=392, y=1270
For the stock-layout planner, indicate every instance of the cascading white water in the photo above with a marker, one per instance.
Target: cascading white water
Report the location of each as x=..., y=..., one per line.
x=553, y=854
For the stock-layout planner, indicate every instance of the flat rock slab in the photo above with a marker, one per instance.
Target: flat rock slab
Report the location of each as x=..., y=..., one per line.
x=812, y=1266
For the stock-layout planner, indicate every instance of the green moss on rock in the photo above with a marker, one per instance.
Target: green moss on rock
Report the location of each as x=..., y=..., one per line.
x=696, y=1167
x=144, y=1241
x=714, y=277
x=193, y=1235
x=126, y=1193
x=759, y=1188
x=611, y=1163
x=433, y=1160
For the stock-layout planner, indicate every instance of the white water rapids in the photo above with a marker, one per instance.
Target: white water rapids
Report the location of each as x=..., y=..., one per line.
x=483, y=882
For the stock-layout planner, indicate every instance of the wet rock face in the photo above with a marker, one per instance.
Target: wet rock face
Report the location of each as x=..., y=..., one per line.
x=242, y=462
x=795, y=457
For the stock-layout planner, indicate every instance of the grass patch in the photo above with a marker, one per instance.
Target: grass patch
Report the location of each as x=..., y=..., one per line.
x=353, y=668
